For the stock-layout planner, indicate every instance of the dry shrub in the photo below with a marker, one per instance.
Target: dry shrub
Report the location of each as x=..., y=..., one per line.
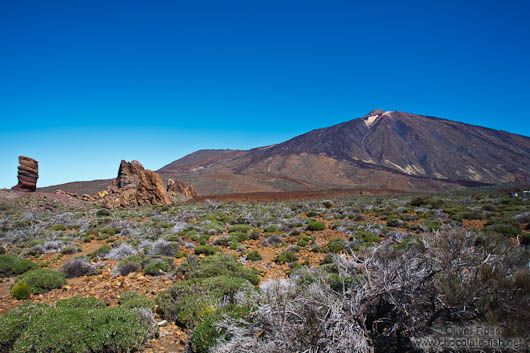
x=389, y=297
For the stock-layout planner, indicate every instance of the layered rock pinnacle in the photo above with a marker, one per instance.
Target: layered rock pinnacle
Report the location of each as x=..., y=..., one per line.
x=28, y=173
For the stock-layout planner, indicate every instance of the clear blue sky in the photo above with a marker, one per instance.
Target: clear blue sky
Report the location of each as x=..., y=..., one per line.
x=84, y=84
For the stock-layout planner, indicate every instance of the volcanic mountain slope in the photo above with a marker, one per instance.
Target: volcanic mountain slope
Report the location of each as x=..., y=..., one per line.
x=393, y=150
x=382, y=150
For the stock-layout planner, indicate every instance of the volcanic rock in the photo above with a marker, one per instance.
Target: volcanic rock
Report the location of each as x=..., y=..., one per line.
x=176, y=187
x=134, y=186
x=28, y=173
x=129, y=174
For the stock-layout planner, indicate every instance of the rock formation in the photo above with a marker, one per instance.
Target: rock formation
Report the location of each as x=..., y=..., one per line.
x=134, y=186
x=28, y=173
x=137, y=186
x=176, y=187
x=129, y=174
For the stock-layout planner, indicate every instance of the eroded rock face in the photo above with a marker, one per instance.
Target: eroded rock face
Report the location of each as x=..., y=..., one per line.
x=176, y=187
x=129, y=174
x=134, y=186
x=28, y=173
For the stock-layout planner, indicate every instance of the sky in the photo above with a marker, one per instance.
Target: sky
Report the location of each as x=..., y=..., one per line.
x=85, y=84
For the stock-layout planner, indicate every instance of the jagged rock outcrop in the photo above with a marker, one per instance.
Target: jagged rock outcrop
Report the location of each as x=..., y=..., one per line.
x=177, y=187
x=134, y=186
x=28, y=173
x=137, y=186
x=129, y=174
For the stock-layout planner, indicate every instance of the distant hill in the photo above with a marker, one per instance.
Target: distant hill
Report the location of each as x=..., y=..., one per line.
x=382, y=150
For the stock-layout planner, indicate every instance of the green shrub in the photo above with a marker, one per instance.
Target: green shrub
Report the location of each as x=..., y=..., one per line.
x=132, y=264
x=101, y=251
x=206, y=250
x=21, y=290
x=109, y=231
x=410, y=242
x=254, y=234
x=502, y=221
x=11, y=265
x=271, y=228
x=83, y=330
x=314, y=225
x=42, y=280
x=431, y=226
x=302, y=242
x=336, y=245
x=80, y=302
x=180, y=255
x=254, y=256
x=369, y=237
x=472, y=215
x=506, y=230
x=342, y=283
x=59, y=227
x=202, y=239
x=436, y=203
x=293, y=267
x=132, y=300
x=15, y=322
x=239, y=236
x=188, y=302
x=244, y=228
x=157, y=267
x=216, y=265
x=286, y=257
x=205, y=334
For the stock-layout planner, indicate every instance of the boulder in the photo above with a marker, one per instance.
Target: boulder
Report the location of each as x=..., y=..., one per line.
x=28, y=173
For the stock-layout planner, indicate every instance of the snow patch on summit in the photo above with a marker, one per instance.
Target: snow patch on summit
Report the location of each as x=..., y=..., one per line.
x=370, y=120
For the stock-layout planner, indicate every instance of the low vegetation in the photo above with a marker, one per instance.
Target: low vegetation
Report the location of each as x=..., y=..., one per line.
x=73, y=325
x=360, y=274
